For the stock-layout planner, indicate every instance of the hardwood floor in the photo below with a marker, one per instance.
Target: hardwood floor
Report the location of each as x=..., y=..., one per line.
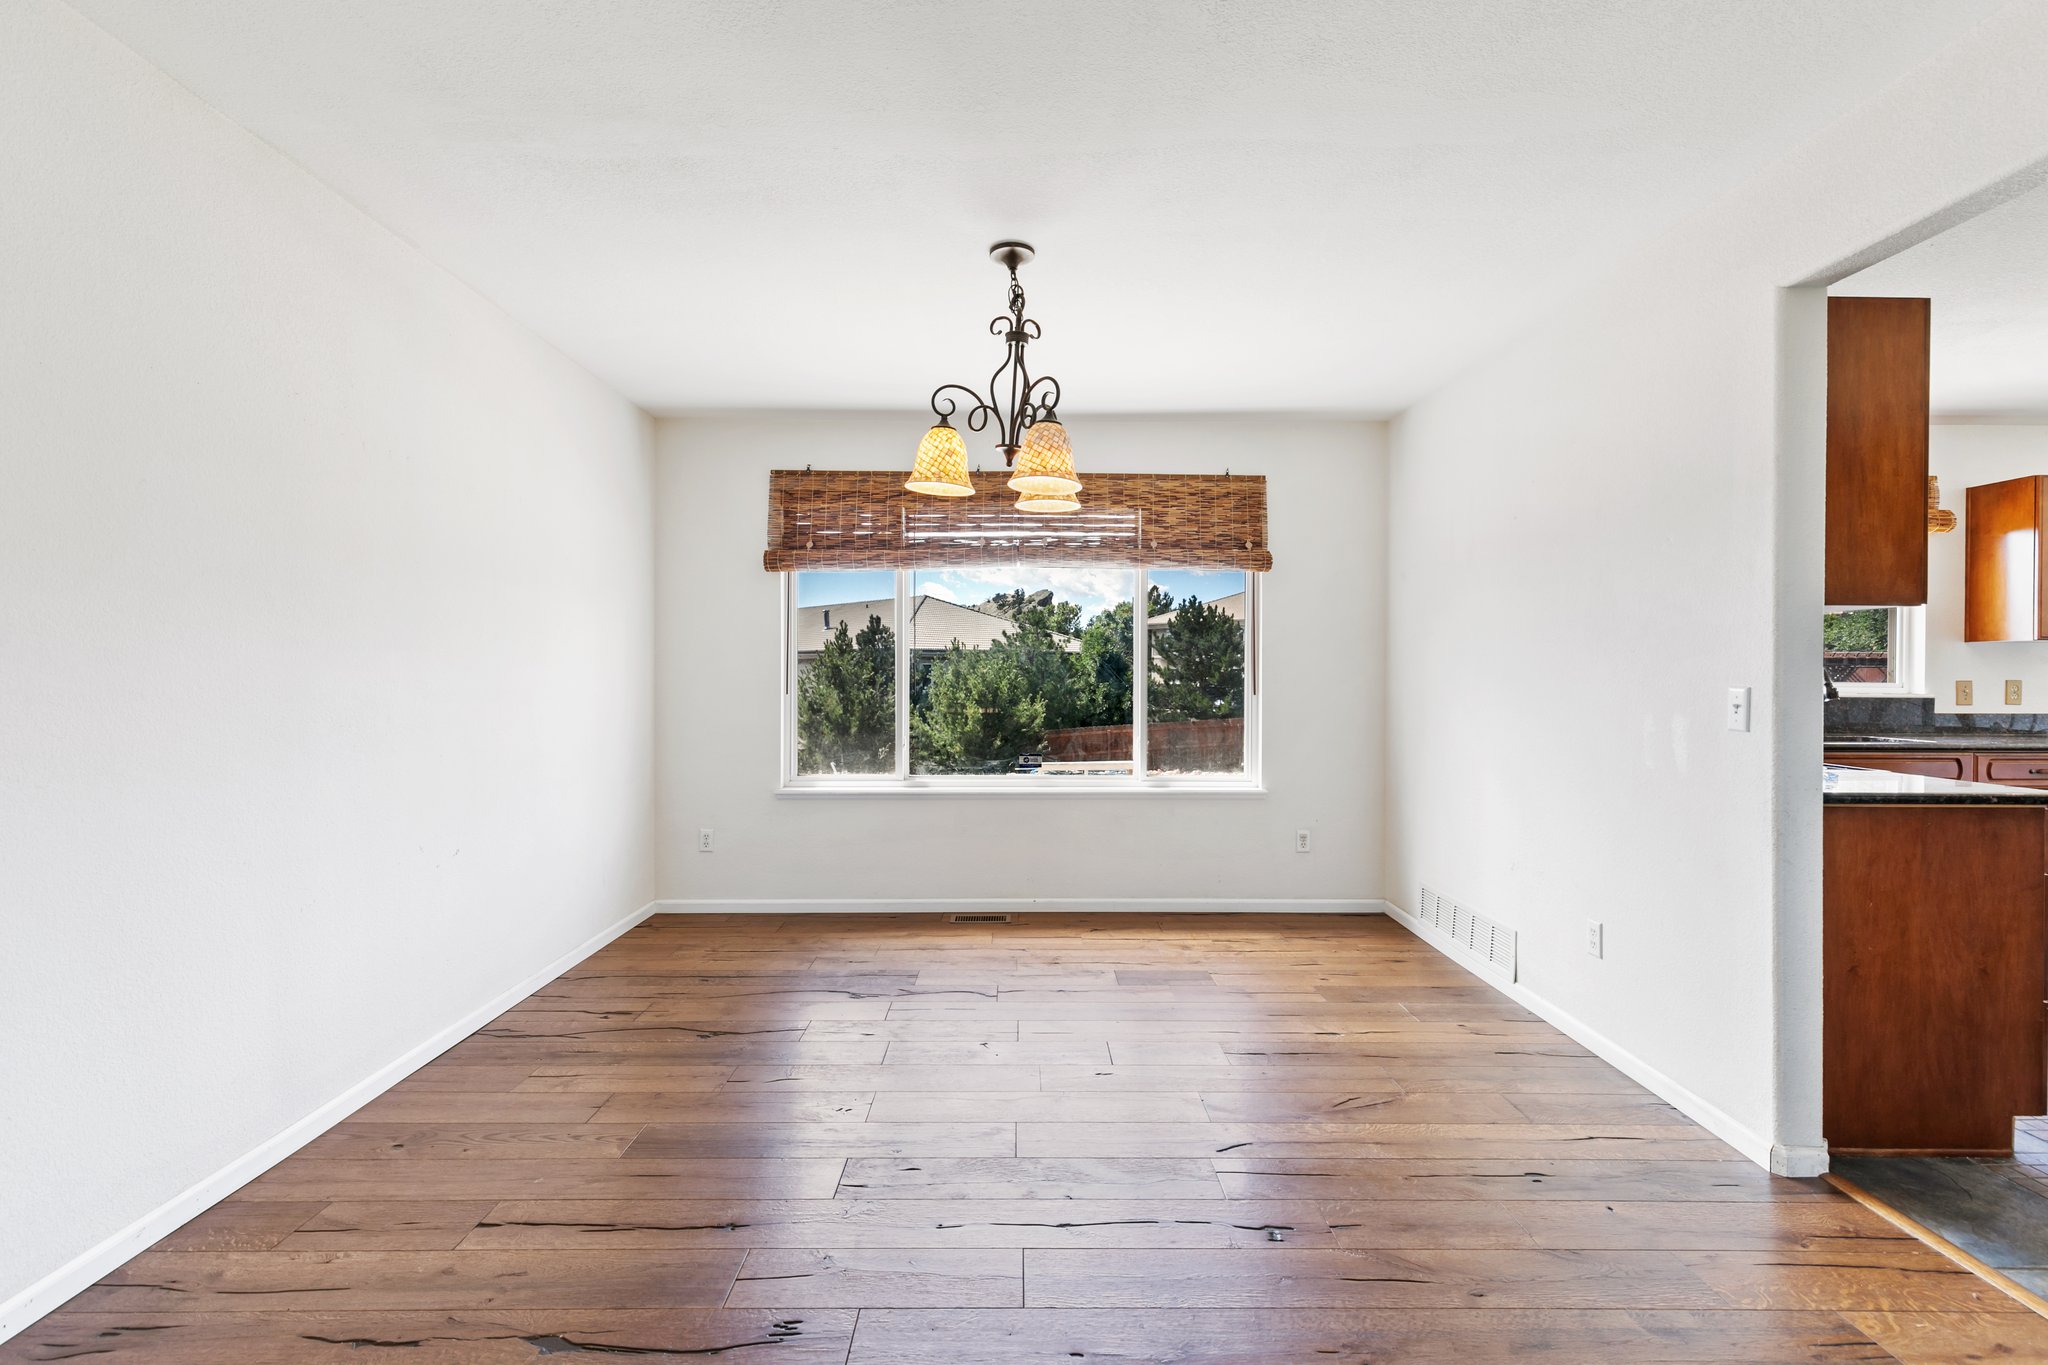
x=889, y=1140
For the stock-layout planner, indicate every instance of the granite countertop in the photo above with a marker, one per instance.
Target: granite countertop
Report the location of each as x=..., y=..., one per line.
x=1873, y=787
x=1952, y=740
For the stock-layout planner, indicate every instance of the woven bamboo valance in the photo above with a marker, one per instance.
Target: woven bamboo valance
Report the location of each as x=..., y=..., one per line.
x=866, y=519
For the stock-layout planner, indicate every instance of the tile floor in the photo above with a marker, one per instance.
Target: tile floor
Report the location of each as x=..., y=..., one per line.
x=1995, y=1208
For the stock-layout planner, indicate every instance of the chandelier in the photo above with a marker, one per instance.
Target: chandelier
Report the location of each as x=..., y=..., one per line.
x=1024, y=411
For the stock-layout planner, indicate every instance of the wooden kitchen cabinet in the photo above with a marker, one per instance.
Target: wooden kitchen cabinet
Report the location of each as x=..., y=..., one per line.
x=2002, y=548
x=1934, y=927
x=1955, y=767
x=1877, y=452
x=2013, y=770
x=2002, y=766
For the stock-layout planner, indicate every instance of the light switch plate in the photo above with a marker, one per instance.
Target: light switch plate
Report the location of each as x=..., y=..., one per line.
x=1738, y=708
x=2012, y=691
x=1965, y=693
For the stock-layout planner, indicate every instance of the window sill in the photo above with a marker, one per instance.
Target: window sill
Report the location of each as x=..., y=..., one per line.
x=1028, y=788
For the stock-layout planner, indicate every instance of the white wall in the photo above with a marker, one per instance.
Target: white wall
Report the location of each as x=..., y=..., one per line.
x=1603, y=527
x=1961, y=455
x=720, y=682
x=325, y=646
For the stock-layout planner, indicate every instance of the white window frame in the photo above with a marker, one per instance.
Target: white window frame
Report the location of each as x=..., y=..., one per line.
x=1907, y=633
x=1250, y=782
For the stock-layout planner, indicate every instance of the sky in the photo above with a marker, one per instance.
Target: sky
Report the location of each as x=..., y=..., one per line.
x=1095, y=587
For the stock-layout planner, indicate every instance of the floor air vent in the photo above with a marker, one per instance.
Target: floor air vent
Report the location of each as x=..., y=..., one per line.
x=977, y=919
x=1469, y=931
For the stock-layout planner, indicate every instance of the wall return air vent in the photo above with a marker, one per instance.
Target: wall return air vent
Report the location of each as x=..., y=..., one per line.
x=1470, y=932
x=978, y=919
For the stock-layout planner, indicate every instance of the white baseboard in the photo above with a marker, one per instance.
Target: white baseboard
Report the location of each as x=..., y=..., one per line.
x=1711, y=1117
x=89, y=1266
x=987, y=905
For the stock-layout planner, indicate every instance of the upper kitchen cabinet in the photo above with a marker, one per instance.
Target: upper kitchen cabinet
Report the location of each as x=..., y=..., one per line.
x=2002, y=525
x=1877, y=452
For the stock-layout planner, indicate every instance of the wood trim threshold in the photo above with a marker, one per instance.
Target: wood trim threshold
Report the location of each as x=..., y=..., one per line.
x=2005, y=1284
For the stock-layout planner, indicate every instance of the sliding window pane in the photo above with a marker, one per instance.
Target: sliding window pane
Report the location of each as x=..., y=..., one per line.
x=1194, y=706
x=1021, y=671
x=1856, y=645
x=845, y=673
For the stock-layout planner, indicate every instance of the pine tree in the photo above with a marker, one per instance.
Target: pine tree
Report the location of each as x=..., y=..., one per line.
x=981, y=712
x=1105, y=667
x=846, y=703
x=1197, y=665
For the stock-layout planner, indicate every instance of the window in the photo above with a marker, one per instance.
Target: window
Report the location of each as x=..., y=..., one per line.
x=1870, y=650
x=1021, y=672
x=843, y=634
x=1020, y=676
x=1194, y=700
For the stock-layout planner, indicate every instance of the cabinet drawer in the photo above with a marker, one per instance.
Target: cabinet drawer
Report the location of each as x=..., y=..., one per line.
x=1960, y=767
x=2025, y=770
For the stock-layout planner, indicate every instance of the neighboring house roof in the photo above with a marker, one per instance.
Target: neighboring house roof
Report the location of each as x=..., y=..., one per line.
x=814, y=625
x=934, y=624
x=1231, y=606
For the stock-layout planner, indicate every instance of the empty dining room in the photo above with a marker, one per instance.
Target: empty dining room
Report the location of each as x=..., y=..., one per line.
x=921, y=684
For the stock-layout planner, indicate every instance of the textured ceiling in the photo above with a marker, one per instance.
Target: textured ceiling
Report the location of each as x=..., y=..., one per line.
x=1316, y=205
x=1988, y=279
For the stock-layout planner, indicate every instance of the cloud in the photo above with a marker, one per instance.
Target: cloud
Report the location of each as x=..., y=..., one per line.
x=1095, y=588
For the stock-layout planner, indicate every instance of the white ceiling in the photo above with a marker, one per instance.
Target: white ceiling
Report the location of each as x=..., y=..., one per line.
x=1988, y=279
x=1318, y=205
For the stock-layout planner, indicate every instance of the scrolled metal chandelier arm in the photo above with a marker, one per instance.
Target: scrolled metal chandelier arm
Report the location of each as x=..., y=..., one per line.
x=1046, y=409
x=945, y=406
x=1029, y=400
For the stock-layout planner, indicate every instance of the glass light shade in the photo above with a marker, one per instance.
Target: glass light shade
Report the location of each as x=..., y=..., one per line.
x=1048, y=502
x=941, y=468
x=1045, y=464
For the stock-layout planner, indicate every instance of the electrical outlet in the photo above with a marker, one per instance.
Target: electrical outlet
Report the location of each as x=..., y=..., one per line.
x=1965, y=693
x=704, y=839
x=1301, y=841
x=2012, y=691
x=1595, y=933
x=1738, y=708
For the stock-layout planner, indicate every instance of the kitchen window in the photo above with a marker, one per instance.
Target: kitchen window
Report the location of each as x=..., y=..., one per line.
x=1020, y=678
x=1872, y=651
